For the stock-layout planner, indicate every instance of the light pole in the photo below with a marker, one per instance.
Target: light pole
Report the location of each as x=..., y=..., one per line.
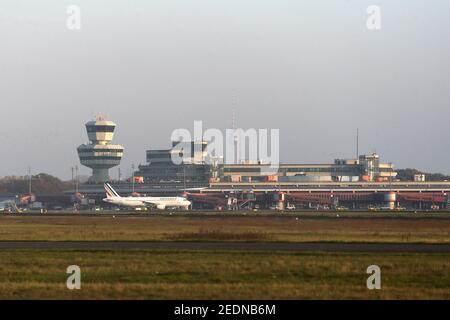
x=184, y=176
x=76, y=179
x=29, y=180
x=132, y=169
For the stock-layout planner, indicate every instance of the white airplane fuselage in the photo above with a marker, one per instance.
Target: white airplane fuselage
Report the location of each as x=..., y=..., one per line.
x=159, y=202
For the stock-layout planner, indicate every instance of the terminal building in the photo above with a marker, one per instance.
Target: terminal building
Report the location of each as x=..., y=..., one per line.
x=100, y=154
x=184, y=163
x=198, y=168
x=358, y=183
x=365, y=168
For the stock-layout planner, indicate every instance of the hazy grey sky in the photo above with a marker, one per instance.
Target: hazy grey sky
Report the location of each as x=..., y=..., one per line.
x=310, y=68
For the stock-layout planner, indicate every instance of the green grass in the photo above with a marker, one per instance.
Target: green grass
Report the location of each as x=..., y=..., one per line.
x=27, y=274
x=145, y=274
x=218, y=228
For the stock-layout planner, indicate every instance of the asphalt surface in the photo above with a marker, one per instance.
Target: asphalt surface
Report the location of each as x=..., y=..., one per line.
x=233, y=246
x=313, y=215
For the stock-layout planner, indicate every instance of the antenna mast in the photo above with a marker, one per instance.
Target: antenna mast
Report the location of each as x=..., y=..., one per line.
x=357, y=143
x=233, y=126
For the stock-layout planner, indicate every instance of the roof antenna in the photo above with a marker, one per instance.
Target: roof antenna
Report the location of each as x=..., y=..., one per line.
x=235, y=137
x=357, y=143
x=236, y=133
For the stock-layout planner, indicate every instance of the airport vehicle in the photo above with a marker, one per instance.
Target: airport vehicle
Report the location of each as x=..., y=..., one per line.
x=8, y=206
x=160, y=203
x=290, y=206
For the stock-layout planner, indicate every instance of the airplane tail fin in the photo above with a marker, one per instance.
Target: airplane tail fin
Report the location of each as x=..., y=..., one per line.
x=110, y=192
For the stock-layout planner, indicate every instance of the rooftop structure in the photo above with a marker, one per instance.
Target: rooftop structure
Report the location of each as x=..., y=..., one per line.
x=162, y=168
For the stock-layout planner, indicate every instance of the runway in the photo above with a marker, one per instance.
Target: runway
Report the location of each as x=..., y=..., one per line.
x=227, y=246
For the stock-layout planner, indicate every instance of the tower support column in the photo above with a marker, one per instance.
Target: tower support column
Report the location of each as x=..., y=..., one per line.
x=99, y=176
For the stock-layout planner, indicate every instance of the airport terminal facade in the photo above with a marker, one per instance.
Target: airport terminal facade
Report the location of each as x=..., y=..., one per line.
x=358, y=183
x=200, y=168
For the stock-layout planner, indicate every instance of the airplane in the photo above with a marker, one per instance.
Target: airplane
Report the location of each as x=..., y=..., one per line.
x=160, y=203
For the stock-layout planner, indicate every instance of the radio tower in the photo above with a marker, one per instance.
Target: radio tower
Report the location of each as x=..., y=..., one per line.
x=357, y=145
x=235, y=136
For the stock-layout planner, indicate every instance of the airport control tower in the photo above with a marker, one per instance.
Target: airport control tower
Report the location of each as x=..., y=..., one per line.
x=99, y=154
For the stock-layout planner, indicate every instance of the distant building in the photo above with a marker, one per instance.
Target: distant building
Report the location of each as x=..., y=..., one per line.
x=420, y=177
x=366, y=168
x=201, y=168
x=160, y=167
x=100, y=155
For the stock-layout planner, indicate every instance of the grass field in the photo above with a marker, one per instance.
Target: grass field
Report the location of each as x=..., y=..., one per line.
x=146, y=274
x=220, y=275
x=219, y=228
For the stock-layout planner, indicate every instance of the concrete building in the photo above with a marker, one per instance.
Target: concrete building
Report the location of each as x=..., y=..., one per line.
x=162, y=166
x=99, y=154
x=199, y=168
x=366, y=168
